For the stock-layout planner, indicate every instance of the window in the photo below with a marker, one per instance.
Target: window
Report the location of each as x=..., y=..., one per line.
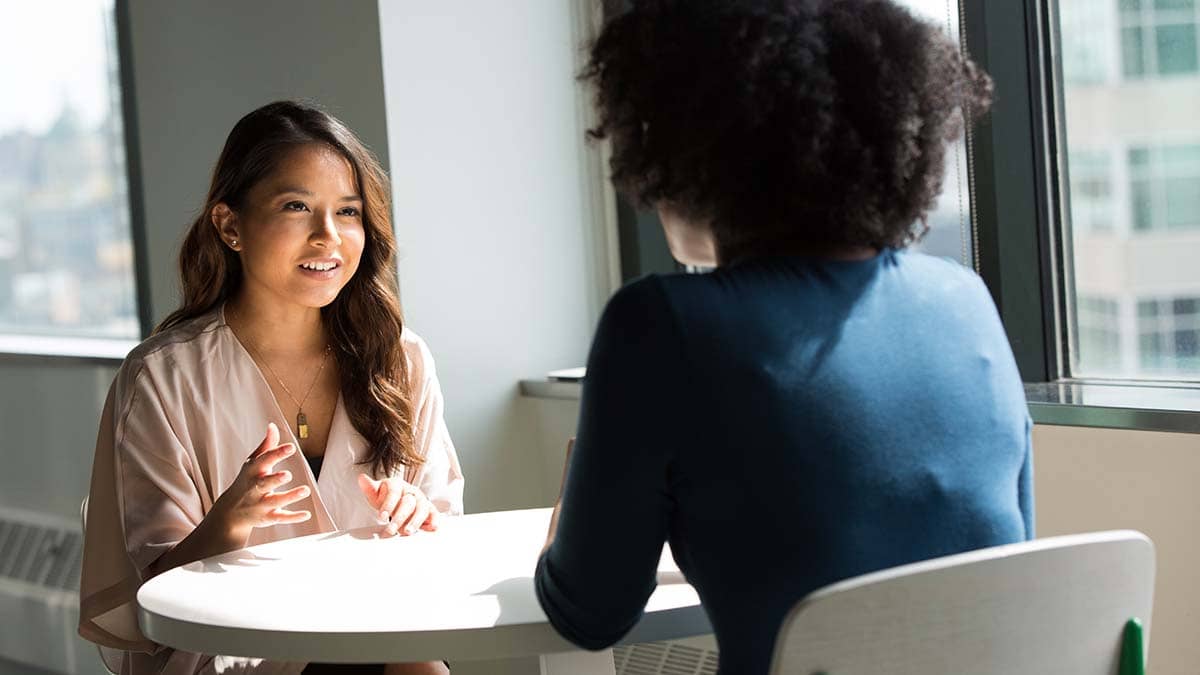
x=66, y=253
x=1134, y=200
x=1089, y=56
x=1163, y=184
x=1158, y=37
x=1099, y=333
x=1169, y=335
x=1092, y=199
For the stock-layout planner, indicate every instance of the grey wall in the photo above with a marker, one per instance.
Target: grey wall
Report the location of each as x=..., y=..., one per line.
x=199, y=66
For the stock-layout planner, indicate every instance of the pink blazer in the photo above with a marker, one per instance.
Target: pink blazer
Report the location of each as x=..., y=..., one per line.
x=185, y=410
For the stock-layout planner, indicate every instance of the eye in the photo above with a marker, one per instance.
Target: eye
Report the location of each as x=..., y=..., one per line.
x=295, y=206
x=349, y=211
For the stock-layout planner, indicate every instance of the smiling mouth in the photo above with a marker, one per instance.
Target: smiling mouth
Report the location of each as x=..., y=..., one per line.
x=320, y=267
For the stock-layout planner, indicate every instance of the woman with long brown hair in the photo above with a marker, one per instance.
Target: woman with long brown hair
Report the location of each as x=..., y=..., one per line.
x=289, y=337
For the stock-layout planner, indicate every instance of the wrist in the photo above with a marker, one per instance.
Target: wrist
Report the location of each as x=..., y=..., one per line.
x=224, y=530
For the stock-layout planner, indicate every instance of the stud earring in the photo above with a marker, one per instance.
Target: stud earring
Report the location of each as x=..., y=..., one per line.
x=233, y=244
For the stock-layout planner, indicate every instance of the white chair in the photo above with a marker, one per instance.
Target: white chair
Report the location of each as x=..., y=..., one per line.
x=1048, y=606
x=113, y=659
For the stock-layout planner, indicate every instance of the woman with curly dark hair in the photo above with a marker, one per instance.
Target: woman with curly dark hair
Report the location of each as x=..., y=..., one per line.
x=825, y=403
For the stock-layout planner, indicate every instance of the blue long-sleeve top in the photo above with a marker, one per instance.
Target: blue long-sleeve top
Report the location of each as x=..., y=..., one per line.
x=785, y=423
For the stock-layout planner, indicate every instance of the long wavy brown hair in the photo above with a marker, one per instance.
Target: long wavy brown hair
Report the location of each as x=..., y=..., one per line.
x=364, y=321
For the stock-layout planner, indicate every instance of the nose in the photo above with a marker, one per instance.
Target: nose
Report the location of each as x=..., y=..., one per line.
x=325, y=231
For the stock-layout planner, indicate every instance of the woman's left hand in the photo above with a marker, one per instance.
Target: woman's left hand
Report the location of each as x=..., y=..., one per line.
x=401, y=504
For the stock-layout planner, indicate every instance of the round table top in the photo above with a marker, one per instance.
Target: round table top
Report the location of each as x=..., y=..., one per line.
x=463, y=592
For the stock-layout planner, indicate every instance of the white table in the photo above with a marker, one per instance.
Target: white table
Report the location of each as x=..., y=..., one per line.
x=464, y=592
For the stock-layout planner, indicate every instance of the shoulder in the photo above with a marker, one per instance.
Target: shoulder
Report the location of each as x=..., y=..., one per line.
x=418, y=358
x=944, y=273
x=640, y=322
x=178, y=350
x=153, y=375
x=641, y=302
x=192, y=339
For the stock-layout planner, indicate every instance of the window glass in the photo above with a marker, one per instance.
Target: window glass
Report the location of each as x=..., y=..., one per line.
x=1132, y=148
x=1169, y=336
x=1091, y=190
x=66, y=259
x=949, y=234
x=1176, y=48
x=1157, y=38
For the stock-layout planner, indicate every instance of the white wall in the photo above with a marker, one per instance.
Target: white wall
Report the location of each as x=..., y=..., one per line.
x=503, y=269
x=1104, y=479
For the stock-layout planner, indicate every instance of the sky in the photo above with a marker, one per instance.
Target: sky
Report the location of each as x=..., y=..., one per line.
x=52, y=52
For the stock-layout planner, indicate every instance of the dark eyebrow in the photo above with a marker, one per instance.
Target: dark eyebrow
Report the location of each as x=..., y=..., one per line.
x=292, y=190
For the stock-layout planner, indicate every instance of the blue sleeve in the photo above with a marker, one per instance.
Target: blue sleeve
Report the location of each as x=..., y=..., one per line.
x=1025, y=482
x=594, y=580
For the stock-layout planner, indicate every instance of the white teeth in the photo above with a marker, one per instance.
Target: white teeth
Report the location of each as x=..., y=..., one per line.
x=319, y=267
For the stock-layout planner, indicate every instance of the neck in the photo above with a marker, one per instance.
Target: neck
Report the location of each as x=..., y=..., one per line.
x=275, y=328
x=727, y=256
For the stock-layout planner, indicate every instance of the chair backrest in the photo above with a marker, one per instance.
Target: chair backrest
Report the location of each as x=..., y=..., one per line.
x=1056, y=605
x=113, y=659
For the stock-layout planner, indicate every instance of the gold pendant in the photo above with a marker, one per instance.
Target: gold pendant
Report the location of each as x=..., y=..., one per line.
x=302, y=425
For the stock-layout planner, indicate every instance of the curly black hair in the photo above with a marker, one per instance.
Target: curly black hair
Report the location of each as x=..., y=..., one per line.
x=803, y=124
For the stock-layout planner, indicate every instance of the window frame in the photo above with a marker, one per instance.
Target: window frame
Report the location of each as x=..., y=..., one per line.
x=1020, y=222
x=1026, y=252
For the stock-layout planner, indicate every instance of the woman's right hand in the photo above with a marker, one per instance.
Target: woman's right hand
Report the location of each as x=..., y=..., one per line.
x=251, y=501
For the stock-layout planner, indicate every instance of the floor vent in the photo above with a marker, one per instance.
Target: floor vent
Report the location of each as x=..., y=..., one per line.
x=695, y=656
x=40, y=557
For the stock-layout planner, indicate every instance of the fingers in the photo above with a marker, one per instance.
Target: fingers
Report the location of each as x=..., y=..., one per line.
x=433, y=521
x=403, y=513
x=269, y=441
x=389, y=500
x=282, y=517
x=277, y=500
x=419, y=515
x=271, y=481
x=370, y=489
x=266, y=461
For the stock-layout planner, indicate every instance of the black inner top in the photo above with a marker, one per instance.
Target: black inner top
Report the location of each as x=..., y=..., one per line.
x=314, y=463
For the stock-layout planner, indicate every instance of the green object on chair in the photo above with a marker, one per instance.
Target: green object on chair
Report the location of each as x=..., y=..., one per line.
x=1133, y=658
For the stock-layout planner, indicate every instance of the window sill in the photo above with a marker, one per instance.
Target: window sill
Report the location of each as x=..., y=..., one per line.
x=40, y=347
x=1137, y=406
x=1142, y=406
x=547, y=388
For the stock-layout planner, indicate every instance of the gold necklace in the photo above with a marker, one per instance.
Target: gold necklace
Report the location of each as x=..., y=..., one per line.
x=301, y=419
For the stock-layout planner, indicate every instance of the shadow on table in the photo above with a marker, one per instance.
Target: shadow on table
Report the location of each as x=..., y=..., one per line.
x=219, y=564
x=515, y=597
x=363, y=533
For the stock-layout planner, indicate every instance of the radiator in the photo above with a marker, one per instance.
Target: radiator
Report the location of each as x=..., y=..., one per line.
x=692, y=656
x=40, y=558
